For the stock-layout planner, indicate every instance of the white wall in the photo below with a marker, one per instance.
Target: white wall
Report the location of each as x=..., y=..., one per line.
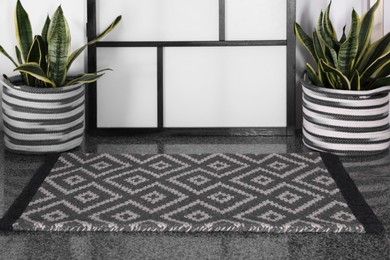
x=75, y=12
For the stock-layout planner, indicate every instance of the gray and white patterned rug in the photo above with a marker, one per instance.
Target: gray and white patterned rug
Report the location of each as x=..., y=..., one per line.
x=195, y=192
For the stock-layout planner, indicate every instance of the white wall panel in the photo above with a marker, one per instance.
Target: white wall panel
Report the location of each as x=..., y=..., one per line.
x=127, y=96
x=160, y=20
x=225, y=87
x=256, y=19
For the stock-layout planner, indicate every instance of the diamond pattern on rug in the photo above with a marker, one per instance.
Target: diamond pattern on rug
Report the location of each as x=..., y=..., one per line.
x=184, y=192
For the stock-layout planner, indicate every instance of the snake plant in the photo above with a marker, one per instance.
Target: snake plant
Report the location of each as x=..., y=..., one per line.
x=350, y=62
x=44, y=60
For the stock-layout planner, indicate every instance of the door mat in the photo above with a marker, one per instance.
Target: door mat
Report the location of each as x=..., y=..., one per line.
x=294, y=192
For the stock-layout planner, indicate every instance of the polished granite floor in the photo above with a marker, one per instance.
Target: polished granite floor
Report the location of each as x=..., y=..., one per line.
x=371, y=175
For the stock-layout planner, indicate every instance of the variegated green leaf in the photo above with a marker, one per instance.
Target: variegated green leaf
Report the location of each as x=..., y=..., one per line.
x=329, y=78
x=43, y=49
x=384, y=71
x=18, y=55
x=380, y=82
x=374, y=51
x=311, y=73
x=366, y=28
x=33, y=69
x=23, y=30
x=77, y=52
x=86, y=78
x=58, y=47
x=331, y=57
x=376, y=66
x=318, y=48
x=20, y=60
x=343, y=37
x=45, y=29
x=341, y=79
x=305, y=40
x=322, y=76
x=328, y=26
x=349, y=48
x=7, y=55
x=35, y=55
x=355, y=81
x=320, y=27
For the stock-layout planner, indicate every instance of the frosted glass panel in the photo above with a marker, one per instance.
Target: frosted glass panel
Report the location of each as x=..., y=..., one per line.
x=127, y=96
x=160, y=20
x=225, y=87
x=256, y=19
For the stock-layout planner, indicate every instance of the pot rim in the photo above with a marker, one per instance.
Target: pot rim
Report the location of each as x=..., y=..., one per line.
x=14, y=78
x=382, y=90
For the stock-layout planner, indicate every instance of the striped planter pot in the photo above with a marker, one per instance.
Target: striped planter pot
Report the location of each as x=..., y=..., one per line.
x=42, y=120
x=345, y=122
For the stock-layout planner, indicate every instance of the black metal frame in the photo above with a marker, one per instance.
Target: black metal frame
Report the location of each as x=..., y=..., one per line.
x=91, y=101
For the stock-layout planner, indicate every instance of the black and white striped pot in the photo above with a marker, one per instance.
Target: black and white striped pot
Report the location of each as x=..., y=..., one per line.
x=345, y=122
x=42, y=120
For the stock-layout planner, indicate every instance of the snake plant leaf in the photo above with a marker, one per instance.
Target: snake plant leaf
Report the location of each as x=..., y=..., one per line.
x=77, y=52
x=366, y=28
x=349, y=48
x=35, y=55
x=311, y=73
x=320, y=27
x=380, y=82
x=38, y=53
x=318, y=48
x=45, y=28
x=328, y=26
x=327, y=78
x=86, y=78
x=306, y=40
x=342, y=80
x=355, y=81
x=331, y=57
x=33, y=69
x=58, y=47
x=343, y=37
x=322, y=76
x=373, y=52
x=6, y=78
x=4, y=52
x=18, y=54
x=20, y=60
x=384, y=60
x=384, y=71
x=43, y=49
x=23, y=30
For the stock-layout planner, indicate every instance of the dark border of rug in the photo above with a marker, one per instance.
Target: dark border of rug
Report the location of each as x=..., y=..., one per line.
x=20, y=204
x=352, y=195
x=350, y=192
